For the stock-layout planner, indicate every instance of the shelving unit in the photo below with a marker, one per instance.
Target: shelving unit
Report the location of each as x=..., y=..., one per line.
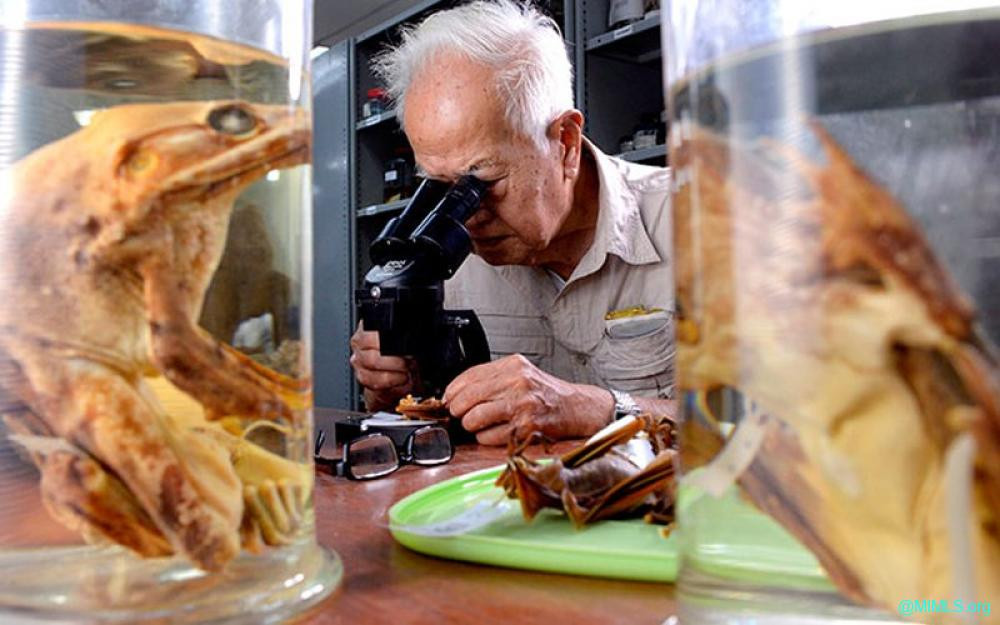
x=333, y=230
x=378, y=209
x=375, y=120
x=376, y=138
x=617, y=77
x=638, y=42
x=645, y=154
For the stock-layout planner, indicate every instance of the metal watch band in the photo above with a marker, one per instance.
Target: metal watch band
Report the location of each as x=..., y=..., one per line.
x=624, y=404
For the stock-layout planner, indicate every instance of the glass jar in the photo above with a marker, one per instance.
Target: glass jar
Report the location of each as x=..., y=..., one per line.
x=376, y=103
x=155, y=450
x=397, y=175
x=645, y=132
x=837, y=220
x=624, y=12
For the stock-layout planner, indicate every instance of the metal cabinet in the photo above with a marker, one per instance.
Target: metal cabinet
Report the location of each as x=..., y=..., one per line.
x=332, y=228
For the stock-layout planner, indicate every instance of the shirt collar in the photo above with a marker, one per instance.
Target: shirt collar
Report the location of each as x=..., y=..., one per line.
x=620, y=230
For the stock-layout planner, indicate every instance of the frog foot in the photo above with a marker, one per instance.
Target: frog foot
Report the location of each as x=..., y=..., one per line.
x=275, y=512
x=276, y=490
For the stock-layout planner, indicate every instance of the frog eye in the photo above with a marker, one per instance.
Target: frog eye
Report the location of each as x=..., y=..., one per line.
x=140, y=161
x=231, y=120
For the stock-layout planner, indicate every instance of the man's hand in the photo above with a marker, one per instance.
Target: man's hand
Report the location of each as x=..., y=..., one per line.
x=495, y=398
x=385, y=378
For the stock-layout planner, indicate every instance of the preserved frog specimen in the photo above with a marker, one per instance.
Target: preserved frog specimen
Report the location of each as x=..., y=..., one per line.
x=108, y=240
x=807, y=288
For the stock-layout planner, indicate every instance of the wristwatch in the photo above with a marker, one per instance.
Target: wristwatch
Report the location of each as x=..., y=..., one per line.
x=624, y=404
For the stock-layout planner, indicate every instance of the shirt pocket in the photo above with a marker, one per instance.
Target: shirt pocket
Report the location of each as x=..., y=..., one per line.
x=638, y=358
x=527, y=336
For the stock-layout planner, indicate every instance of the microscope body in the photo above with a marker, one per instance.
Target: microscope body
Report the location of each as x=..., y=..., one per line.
x=403, y=294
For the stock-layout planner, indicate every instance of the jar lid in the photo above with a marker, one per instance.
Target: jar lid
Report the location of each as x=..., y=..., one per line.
x=376, y=92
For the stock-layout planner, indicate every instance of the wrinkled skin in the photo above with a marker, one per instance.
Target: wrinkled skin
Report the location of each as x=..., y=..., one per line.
x=511, y=397
x=809, y=289
x=108, y=240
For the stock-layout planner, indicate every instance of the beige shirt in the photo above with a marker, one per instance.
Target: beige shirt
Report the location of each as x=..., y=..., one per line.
x=564, y=330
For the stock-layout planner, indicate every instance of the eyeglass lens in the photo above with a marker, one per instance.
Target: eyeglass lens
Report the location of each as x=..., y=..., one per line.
x=372, y=456
x=429, y=445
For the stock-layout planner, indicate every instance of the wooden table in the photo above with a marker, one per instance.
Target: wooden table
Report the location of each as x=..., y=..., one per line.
x=385, y=582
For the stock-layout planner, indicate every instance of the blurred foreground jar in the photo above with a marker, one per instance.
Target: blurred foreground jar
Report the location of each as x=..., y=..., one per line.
x=837, y=236
x=155, y=382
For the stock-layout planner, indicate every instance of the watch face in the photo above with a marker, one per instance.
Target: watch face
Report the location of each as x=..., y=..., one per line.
x=624, y=404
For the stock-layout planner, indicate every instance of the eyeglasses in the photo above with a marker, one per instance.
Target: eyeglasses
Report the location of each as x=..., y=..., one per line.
x=374, y=455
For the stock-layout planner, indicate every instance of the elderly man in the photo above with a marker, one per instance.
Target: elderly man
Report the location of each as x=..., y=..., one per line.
x=570, y=273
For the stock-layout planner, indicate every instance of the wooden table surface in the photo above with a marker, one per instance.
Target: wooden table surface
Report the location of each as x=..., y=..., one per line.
x=385, y=582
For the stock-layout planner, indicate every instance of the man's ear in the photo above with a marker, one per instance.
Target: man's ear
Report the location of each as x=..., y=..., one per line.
x=567, y=129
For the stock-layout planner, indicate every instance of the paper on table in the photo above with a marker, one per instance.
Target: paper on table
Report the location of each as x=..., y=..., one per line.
x=391, y=419
x=479, y=515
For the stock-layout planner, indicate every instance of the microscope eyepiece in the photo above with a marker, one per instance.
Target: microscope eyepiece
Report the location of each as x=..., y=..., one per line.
x=442, y=235
x=462, y=199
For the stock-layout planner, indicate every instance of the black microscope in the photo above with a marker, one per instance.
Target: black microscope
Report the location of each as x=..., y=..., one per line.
x=403, y=294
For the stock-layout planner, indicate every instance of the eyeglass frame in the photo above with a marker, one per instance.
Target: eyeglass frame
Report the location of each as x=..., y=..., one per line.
x=341, y=467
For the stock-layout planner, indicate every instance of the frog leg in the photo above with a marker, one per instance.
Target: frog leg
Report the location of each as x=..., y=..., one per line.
x=276, y=491
x=184, y=482
x=278, y=382
x=197, y=364
x=75, y=489
x=295, y=392
x=80, y=494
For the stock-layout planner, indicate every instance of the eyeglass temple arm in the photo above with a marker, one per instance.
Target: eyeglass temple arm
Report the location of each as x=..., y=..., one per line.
x=336, y=466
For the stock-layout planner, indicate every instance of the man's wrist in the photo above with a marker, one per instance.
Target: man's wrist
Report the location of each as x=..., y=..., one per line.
x=589, y=409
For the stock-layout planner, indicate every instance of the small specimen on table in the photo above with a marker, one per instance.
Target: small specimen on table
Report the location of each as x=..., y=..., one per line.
x=626, y=469
x=429, y=408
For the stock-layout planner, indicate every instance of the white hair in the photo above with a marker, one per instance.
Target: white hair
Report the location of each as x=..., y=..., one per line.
x=534, y=78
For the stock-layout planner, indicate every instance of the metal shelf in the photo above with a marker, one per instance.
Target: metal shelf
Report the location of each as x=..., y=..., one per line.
x=638, y=41
x=644, y=154
x=379, y=209
x=375, y=120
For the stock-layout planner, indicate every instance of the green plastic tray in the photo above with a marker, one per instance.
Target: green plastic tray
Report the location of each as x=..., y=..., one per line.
x=736, y=541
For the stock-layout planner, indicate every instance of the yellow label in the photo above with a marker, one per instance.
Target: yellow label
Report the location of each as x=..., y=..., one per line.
x=634, y=311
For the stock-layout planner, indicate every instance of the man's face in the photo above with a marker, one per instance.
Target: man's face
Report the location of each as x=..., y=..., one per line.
x=456, y=126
